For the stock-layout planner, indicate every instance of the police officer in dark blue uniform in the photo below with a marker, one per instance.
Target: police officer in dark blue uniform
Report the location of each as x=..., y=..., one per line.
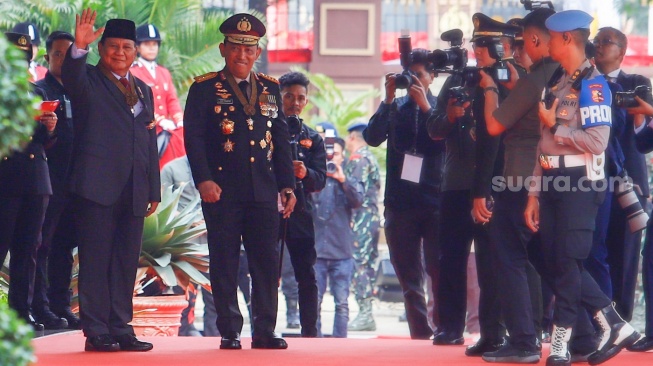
x=51, y=304
x=310, y=170
x=575, y=129
x=24, y=196
x=238, y=147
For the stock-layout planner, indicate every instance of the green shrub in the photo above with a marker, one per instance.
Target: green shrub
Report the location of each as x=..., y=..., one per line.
x=15, y=338
x=18, y=106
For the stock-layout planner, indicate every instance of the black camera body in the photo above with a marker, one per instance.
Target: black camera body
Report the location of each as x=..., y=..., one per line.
x=626, y=99
x=404, y=80
x=455, y=56
x=294, y=129
x=329, y=142
x=460, y=94
x=532, y=5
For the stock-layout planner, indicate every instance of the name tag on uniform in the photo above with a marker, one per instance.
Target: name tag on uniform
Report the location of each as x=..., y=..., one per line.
x=225, y=101
x=412, y=168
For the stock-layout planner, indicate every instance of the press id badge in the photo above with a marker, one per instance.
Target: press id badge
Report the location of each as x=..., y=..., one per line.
x=412, y=168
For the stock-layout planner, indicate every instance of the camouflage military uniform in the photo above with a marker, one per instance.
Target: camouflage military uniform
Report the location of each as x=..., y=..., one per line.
x=365, y=223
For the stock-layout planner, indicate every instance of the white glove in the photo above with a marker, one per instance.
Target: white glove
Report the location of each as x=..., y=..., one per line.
x=180, y=124
x=167, y=125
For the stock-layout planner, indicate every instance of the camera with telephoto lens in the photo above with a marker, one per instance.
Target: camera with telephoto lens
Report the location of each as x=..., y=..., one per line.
x=405, y=79
x=635, y=215
x=626, y=99
x=294, y=129
x=455, y=56
x=329, y=142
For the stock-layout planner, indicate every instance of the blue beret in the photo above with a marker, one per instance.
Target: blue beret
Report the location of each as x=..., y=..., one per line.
x=568, y=20
x=323, y=126
x=357, y=126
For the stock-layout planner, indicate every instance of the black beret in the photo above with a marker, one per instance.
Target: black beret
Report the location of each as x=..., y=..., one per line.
x=243, y=28
x=21, y=41
x=119, y=28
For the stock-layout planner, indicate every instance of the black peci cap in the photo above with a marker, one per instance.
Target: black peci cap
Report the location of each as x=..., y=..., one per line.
x=22, y=41
x=147, y=32
x=119, y=28
x=242, y=28
x=29, y=29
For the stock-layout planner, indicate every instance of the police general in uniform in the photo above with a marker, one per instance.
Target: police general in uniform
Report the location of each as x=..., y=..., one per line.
x=575, y=128
x=238, y=146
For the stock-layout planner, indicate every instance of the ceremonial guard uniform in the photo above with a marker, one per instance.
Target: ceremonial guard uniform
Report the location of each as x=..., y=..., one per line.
x=166, y=103
x=237, y=137
x=36, y=71
x=24, y=196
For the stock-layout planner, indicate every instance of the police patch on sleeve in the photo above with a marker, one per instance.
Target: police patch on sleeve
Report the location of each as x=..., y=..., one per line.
x=595, y=103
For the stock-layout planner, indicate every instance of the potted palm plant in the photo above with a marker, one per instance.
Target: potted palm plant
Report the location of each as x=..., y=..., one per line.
x=169, y=258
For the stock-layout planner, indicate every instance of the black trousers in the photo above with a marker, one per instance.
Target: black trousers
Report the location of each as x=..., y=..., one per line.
x=623, y=258
x=54, y=261
x=567, y=220
x=303, y=257
x=408, y=232
x=457, y=232
x=516, y=274
x=21, y=219
x=109, y=248
x=258, y=225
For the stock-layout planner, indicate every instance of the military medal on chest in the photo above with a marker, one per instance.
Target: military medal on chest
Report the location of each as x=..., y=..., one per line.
x=228, y=146
x=227, y=126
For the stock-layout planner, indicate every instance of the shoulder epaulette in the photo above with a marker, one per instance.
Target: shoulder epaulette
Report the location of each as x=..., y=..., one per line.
x=207, y=76
x=268, y=77
x=355, y=157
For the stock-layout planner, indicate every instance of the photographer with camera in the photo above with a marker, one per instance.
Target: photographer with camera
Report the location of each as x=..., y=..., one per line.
x=615, y=264
x=412, y=191
x=309, y=162
x=576, y=119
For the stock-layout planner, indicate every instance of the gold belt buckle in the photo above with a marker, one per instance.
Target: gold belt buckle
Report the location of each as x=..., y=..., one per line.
x=544, y=162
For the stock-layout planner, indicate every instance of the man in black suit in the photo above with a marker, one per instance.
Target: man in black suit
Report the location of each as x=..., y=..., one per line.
x=114, y=178
x=24, y=198
x=238, y=146
x=310, y=169
x=615, y=267
x=54, y=261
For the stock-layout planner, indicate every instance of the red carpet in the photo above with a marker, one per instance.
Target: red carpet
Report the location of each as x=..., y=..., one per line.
x=67, y=349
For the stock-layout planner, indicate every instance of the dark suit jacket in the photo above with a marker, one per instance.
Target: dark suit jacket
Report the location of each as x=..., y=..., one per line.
x=110, y=143
x=249, y=165
x=59, y=153
x=635, y=162
x=25, y=171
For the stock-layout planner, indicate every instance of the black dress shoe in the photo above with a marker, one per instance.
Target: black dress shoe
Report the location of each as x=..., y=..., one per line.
x=50, y=320
x=232, y=341
x=484, y=345
x=129, y=342
x=73, y=320
x=448, y=339
x=271, y=341
x=642, y=345
x=101, y=343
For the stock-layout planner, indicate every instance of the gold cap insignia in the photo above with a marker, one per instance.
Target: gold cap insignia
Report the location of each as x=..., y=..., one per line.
x=22, y=41
x=244, y=25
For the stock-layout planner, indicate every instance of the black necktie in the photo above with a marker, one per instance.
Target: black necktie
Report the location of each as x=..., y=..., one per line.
x=244, y=87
